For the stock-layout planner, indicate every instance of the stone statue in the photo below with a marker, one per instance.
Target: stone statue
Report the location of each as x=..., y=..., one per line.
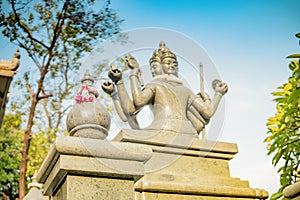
x=88, y=118
x=87, y=92
x=174, y=106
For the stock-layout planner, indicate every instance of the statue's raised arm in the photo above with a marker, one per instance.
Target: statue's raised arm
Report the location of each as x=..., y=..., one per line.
x=122, y=102
x=174, y=106
x=202, y=108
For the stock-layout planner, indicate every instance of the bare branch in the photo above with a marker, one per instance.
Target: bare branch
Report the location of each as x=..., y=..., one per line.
x=23, y=5
x=31, y=55
x=44, y=103
x=66, y=109
x=45, y=96
x=23, y=27
x=59, y=24
x=59, y=116
x=28, y=87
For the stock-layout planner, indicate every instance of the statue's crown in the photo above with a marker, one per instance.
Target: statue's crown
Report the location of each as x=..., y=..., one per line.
x=162, y=53
x=87, y=76
x=155, y=57
x=168, y=54
x=165, y=52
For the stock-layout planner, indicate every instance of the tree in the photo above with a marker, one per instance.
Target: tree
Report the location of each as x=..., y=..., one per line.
x=10, y=143
x=55, y=35
x=284, y=128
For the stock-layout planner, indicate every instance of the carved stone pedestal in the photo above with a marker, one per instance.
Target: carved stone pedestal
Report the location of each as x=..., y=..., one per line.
x=143, y=165
x=185, y=167
x=82, y=168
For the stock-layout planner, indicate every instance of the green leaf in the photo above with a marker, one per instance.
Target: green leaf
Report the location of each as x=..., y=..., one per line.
x=294, y=65
x=283, y=129
x=10, y=143
x=277, y=157
x=280, y=100
x=294, y=56
x=276, y=196
x=55, y=43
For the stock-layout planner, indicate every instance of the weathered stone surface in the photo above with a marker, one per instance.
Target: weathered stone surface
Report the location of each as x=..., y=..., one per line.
x=159, y=196
x=185, y=167
x=79, y=188
x=181, y=166
x=88, y=120
x=192, y=188
x=178, y=143
x=83, y=157
x=87, y=166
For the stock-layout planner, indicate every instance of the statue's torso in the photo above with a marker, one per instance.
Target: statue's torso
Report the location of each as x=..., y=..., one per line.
x=169, y=106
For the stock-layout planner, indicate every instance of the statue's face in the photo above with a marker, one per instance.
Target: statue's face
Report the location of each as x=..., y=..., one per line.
x=156, y=69
x=170, y=66
x=88, y=82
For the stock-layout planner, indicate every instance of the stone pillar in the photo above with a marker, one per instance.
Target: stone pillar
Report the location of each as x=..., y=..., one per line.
x=84, y=168
x=185, y=167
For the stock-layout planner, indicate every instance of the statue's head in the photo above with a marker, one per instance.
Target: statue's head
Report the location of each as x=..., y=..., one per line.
x=155, y=64
x=168, y=61
x=87, y=79
x=163, y=61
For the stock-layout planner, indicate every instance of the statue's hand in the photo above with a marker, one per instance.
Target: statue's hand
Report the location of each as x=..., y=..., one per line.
x=204, y=96
x=108, y=87
x=131, y=62
x=114, y=73
x=134, y=65
x=220, y=87
x=135, y=71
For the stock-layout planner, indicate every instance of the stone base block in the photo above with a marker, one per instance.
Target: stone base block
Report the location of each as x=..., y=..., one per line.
x=185, y=167
x=82, y=168
x=98, y=188
x=197, y=191
x=159, y=196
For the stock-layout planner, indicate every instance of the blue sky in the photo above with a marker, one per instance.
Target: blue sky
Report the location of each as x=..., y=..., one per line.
x=249, y=30
x=248, y=42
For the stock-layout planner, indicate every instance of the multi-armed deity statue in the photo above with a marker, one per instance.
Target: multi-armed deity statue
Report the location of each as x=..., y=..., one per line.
x=166, y=160
x=174, y=106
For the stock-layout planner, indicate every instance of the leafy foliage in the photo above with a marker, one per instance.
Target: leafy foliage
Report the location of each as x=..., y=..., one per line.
x=284, y=129
x=10, y=145
x=55, y=34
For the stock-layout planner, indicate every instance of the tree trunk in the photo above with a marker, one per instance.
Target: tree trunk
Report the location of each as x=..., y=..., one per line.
x=27, y=134
x=25, y=149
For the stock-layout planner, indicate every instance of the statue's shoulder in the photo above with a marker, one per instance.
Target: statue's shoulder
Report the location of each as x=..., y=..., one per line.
x=154, y=82
x=151, y=85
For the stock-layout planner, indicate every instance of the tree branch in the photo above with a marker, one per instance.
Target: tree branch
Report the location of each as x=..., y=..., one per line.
x=28, y=87
x=66, y=109
x=23, y=6
x=59, y=24
x=293, y=141
x=32, y=56
x=44, y=102
x=45, y=96
x=23, y=27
